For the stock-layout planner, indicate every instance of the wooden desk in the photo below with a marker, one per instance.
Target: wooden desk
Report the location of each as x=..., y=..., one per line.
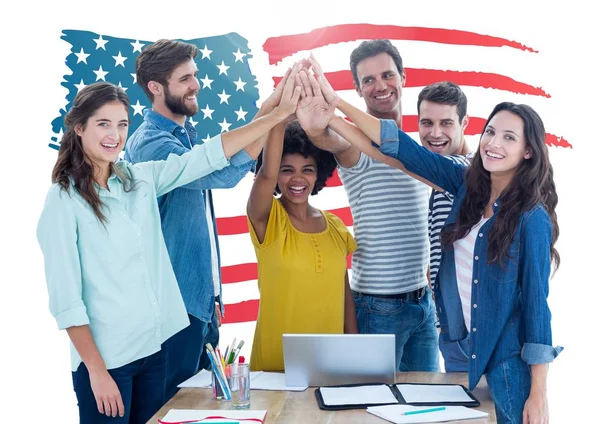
x=302, y=408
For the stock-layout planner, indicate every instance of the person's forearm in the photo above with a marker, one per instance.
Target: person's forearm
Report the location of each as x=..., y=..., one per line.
x=350, y=322
x=82, y=339
x=539, y=377
x=238, y=139
x=271, y=159
x=367, y=123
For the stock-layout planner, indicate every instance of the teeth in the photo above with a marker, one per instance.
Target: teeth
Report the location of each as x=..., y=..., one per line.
x=437, y=143
x=383, y=97
x=297, y=188
x=111, y=146
x=494, y=155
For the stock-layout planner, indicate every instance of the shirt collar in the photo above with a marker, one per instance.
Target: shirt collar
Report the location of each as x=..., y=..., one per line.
x=165, y=124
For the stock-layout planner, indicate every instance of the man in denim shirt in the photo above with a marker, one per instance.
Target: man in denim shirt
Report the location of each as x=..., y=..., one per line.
x=167, y=73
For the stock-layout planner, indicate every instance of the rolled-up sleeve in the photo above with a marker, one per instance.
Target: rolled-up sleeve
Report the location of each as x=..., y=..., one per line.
x=535, y=275
x=433, y=167
x=57, y=236
x=179, y=170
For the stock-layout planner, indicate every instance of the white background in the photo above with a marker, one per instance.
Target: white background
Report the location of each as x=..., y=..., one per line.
x=34, y=357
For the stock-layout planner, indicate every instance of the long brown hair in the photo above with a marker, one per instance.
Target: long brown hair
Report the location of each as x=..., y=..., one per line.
x=532, y=184
x=73, y=166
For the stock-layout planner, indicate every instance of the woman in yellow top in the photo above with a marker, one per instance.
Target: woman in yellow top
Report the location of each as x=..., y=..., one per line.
x=301, y=251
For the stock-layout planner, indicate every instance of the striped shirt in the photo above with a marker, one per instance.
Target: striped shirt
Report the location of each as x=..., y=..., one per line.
x=440, y=205
x=390, y=227
x=463, y=260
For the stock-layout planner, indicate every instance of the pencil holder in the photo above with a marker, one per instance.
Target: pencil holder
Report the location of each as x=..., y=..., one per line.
x=217, y=391
x=238, y=377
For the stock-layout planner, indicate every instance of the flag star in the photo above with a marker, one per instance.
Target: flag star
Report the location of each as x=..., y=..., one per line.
x=58, y=135
x=206, y=82
x=65, y=103
x=100, y=43
x=239, y=56
x=223, y=68
x=120, y=85
x=138, y=108
x=206, y=53
x=133, y=74
x=137, y=46
x=192, y=122
x=81, y=56
x=208, y=137
x=224, y=125
x=241, y=114
x=239, y=84
x=100, y=74
x=119, y=60
x=224, y=97
x=207, y=112
x=80, y=85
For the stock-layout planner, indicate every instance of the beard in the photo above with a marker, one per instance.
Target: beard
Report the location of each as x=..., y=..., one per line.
x=177, y=105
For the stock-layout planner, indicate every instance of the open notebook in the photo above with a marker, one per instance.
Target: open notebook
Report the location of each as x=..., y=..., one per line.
x=181, y=416
x=357, y=396
x=259, y=380
x=394, y=414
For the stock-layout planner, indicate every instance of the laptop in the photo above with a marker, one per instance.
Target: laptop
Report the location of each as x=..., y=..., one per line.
x=335, y=359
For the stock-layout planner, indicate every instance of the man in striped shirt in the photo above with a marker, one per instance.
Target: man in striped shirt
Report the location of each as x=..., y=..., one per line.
x=442, y=109
x=389, y=267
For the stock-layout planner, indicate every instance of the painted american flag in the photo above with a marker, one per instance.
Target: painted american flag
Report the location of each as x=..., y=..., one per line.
x=229, y=94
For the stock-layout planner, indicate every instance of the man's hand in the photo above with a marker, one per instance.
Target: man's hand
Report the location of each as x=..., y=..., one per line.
x=218, y=312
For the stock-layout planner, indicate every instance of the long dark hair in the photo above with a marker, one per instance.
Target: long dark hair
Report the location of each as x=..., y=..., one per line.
x=532, y=184
x=73, y=166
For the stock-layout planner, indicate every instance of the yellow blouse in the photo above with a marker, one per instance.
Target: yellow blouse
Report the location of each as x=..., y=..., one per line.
x=301, y=283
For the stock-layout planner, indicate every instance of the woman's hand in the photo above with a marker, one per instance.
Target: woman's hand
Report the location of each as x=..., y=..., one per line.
x=107, y=394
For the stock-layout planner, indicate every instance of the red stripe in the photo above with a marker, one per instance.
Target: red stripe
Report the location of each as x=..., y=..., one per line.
x=239, y=225
x=241, y=312
x=334, y=180
x=287, y=45
x=342, y=80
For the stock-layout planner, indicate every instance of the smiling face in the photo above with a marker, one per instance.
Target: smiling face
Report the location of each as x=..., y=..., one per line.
x=440, y=129
x=380, y=84
x=181, y=92
x=104, y=134
x=297, y=177
x=503, y=146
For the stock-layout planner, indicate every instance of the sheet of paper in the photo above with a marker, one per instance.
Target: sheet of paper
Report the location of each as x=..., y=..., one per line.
x=359, y=395
x=272, y=381
x=433, y=393
x=393, y=413
x=182, y=415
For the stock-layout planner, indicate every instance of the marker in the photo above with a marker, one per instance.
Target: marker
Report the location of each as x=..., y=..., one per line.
x=423, y=411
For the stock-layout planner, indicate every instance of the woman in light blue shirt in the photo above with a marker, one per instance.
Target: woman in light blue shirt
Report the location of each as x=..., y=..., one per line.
x=110, y=280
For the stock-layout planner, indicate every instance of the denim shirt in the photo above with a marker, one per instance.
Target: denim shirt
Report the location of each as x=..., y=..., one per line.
x=183, y=211
x=509, y=312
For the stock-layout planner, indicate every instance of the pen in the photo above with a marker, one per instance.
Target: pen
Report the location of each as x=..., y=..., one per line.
x=422, y=411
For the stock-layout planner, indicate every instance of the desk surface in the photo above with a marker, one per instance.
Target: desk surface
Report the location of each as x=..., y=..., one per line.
x=302, y=408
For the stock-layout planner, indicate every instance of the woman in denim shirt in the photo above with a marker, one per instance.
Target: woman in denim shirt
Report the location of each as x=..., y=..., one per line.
x=110, y=280
x=499, y=244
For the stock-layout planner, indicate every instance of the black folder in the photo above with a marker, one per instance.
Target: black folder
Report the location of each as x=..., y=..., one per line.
x=473, y=402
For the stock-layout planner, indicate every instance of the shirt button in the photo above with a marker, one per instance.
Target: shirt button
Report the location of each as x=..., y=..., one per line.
x=476, y=281
x=476, y=258
x=473, y=356
x=495, y=204
x=480, y=234
x=475, y=305
x=474, y=329
x=182, y=131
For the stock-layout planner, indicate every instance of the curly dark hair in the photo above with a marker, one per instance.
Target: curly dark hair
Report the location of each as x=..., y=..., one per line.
x=295, y=140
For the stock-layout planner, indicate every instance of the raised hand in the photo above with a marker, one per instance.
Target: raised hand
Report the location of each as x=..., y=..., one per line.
x=313, y=112
x=327, y=90
x=290, y=93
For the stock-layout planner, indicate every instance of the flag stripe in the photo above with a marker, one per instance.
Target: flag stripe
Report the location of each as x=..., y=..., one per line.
x=249, y=271
x=342, y=80
x=241, y=312
x=286, y=45
x=239, y=224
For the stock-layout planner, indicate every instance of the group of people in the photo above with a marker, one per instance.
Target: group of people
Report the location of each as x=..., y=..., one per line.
x=452, y=250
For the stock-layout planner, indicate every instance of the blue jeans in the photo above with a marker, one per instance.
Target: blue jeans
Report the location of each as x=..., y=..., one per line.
x=186, y=351
x=509, y=383
x=142, y=387
x=412, y=322
x=456, y=358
